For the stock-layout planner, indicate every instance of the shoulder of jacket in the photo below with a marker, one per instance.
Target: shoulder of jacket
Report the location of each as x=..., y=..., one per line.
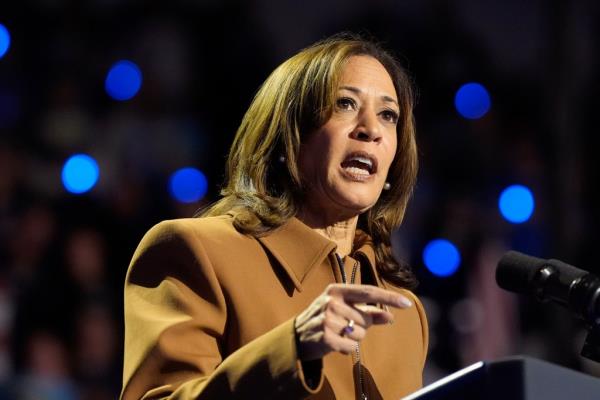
x=205, y=229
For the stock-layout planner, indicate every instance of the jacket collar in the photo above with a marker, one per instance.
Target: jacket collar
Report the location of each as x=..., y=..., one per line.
x=298, y=248
x=365, y=253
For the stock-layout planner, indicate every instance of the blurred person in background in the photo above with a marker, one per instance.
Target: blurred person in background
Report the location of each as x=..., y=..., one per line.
x=32, y=278
x=9, y=163
x=30, y=245
x=6, y=321
x=47, y=374
x=97, y=353
x=286, y=287
x=86, y=265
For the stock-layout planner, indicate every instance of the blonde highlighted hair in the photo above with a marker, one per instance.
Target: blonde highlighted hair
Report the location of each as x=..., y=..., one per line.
x=263, y=184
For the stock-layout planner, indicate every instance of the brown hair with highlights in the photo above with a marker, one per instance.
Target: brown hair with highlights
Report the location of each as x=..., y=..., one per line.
x=297, y=98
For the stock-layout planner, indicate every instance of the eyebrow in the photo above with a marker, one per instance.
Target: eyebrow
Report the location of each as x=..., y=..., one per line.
x=385, y=98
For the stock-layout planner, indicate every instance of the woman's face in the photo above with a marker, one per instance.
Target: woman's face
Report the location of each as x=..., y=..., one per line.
x=345, y=162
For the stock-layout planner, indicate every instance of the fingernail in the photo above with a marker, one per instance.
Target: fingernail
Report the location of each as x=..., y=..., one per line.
x=403, y=301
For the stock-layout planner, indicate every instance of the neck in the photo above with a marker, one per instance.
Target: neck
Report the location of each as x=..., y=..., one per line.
x=341, y=232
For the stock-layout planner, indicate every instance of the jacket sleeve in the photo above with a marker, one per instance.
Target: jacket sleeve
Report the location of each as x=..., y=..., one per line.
x=424, y=328
x=423, y=321
x=175, y=318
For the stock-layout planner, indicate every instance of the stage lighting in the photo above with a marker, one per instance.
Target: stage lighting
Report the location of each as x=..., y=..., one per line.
x=441, y=257
x=123, y=81
x=472, y=101
x=80, y=173
x=4, y=40
x=188, y=185
x=516, y=204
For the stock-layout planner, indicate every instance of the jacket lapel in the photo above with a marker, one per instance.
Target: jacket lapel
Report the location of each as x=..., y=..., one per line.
x=366, y=254
x=297, y=248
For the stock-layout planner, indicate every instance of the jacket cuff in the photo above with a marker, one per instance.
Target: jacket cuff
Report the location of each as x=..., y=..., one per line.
x=285, y=349
x=311, y=375
x=310, y=372
x=277, y=351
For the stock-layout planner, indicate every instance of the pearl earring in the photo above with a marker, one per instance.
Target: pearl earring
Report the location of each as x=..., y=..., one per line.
x=387, y=186
x=281, y=159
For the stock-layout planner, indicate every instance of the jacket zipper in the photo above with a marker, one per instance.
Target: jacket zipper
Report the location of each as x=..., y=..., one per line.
x=363, y=396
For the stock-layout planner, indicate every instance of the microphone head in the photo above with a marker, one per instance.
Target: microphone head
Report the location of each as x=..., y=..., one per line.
x=516, y=271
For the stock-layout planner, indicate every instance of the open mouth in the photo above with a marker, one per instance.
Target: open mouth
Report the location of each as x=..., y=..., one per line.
x=360, y=164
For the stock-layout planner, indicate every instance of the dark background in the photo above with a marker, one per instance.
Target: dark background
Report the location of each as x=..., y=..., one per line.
x=63, y=257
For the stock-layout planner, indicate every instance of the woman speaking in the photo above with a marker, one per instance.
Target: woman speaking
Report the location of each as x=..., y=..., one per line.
x=286, y=287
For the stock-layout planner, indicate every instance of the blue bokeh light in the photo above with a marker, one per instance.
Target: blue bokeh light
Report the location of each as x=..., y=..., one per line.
x=472, y=100
x=80, y=173
x=516, y=204
x=4, y=40
x=441, y=257
x=123, y=81
x=188, y=185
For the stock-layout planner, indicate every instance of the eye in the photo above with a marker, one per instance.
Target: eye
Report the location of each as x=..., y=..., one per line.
x=345, y=103
x=390, y=116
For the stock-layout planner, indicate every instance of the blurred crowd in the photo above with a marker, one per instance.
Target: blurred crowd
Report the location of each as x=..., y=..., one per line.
x=63, y=257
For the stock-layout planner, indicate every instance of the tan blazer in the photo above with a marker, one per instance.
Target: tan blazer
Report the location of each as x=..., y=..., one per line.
x=209, y=314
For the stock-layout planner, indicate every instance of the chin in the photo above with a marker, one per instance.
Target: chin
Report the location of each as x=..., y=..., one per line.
x=365, y=194
x=358, y=203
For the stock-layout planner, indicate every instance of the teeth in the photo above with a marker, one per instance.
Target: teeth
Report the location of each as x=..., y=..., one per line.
x=363, y=160
x=357, y=171
x=359, y=165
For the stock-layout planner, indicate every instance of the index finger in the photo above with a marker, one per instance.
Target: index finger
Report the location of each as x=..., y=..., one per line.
x=352, y=293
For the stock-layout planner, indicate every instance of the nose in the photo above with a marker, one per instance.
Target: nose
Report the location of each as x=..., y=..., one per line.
x=367, y=128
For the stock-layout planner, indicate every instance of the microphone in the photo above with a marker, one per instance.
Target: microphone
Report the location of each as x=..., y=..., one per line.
x=554, y=280
x=551, y=280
